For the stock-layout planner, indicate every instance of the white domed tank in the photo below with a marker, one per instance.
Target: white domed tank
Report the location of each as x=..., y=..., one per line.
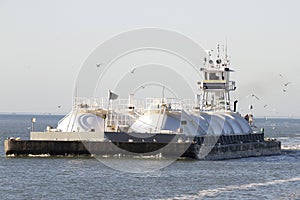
x=195, y=124
x=224, y=123
x=81, y=122
x=155, y=122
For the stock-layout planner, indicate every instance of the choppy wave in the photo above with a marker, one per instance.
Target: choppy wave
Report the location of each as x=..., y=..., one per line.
x=232, y=188
x=290, y=143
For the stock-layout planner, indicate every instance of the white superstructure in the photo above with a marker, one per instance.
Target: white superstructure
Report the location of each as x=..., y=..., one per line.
x=212, y=111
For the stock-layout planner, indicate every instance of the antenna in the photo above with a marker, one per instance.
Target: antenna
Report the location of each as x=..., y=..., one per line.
x=163, y=92
x=226, y=53
x=218, y=61
x=75, y=96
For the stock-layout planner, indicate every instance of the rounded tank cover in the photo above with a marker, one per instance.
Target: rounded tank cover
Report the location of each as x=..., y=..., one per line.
x=81, y=122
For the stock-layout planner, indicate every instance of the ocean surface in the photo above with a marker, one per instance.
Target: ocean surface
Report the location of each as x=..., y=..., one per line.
x=273, y=177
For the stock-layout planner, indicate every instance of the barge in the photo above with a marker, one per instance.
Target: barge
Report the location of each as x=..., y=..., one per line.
x=226, y=147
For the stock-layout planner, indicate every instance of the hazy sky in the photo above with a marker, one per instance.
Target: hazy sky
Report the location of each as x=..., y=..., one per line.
x=44, y=43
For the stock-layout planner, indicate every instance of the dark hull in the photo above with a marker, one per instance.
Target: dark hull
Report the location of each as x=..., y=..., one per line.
x=167, y=145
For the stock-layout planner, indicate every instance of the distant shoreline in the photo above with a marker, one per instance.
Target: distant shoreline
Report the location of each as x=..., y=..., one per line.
x=63, y=114
x=29, y=113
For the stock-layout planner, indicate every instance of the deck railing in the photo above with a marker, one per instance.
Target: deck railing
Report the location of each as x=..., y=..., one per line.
x=142, y=105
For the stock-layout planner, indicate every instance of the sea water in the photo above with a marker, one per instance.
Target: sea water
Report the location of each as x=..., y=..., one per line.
x=272, y=177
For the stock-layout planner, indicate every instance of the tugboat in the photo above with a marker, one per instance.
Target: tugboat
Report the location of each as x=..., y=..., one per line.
x=208, y=127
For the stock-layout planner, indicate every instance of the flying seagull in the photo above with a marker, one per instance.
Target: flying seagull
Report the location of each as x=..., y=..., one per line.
x=286, y=84
x=253, y=95
x=99, y=65
x=133, y=70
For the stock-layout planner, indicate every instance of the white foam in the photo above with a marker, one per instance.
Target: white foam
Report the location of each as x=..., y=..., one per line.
x=39, y=155
x=231, y=188
x=291, y=147
x=157, y=156
x=283, y=138
x=31, y=155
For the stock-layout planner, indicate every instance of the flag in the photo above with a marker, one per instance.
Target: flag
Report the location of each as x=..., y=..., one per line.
x=112, y=96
